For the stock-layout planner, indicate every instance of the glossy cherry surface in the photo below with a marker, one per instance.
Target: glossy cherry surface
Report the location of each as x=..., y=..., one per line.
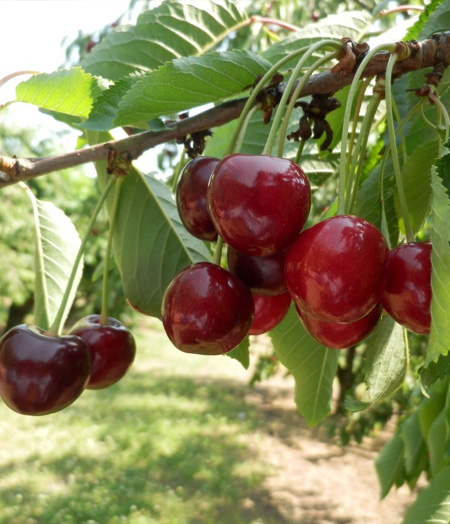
x=258, y=203
x=263, y=275
x=207, y=310
x=336, y=335
x=334, y=270
x=269, y=312
x=112, y=348
x=191, y=197
x=407, y=293
x=41, y=374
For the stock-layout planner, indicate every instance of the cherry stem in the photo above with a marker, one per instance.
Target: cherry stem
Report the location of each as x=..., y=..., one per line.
x=288, y=91
x=359, y=101
x=343, y=164
x=394, y=151
x=301, y=146
x=401, y=9
x=253, y=96
x=9, y=77
x=296, y=93
x=105, y=282
x=218, y=251
x=56, y=328
x=273, y=21
x=361, y=144
x=442, y=110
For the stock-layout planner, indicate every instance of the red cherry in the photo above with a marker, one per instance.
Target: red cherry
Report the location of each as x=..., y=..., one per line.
x=336, y=335
x=269, y=312
x=207, y=310
x=335, y=269
x=191, y=197
x=407, y=293
x=258, y=203
x=263, y=275
x=39, y=373
x=112, y=349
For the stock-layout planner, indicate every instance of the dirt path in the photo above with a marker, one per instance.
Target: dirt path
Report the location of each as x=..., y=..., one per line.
x=315, y=481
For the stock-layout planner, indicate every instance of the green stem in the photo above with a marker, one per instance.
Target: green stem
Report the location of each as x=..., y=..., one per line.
x=112, y=223
x=343, y=166
x=254, y=94
x=364, y=85
x=301, y=145
x=443, y=110
x=56, y=327
x=361, y=144
x=177, y=170
x=218, y=251
x=295, y=94
x=240, y=136
x=288, y=91
x=394, y=152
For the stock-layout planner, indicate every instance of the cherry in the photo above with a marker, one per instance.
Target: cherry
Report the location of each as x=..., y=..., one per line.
x=207, y=310
x=112, y=348
x=269, y=312
x=258, y=203
x=336, y=335
x=263, y=275
x=40, y=373
x=191, y=197
x=407, y=293
x=335, y=269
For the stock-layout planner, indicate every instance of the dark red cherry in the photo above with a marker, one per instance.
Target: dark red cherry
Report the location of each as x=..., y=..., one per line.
x=112, y=348
x=335, y=269
x=263, y=275
x=407, y=293
x=207, y=310
x=258, y=203
x=39, y=373
x=269, y=312
x=335, y=335
x=191, y=197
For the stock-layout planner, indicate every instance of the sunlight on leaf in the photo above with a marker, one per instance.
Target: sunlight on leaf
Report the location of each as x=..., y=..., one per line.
x=57, y=244
x=71, y=91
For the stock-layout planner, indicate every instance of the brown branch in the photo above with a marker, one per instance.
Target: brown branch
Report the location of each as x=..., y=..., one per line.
x=434, y=52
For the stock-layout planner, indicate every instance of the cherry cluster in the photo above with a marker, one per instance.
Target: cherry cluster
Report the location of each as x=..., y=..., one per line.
x=339, y=273
x=41, y=373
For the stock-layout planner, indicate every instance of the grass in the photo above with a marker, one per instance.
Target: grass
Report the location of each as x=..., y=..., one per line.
x=172, y=443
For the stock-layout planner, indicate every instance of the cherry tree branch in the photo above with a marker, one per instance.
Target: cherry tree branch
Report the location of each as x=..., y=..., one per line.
x=431, y=53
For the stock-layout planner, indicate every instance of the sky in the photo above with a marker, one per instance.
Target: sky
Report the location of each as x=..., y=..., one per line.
x=31, y=38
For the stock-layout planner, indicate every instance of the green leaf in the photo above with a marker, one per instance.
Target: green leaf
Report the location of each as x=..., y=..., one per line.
x=68, y=91
x=439, y=342
x=437, y=443
x=190, y=82
x=57, y=244
x=431, y=407
x=386, y=361
x=312, y=365
x=390, y=465
x=415, y=449
x=435, y=18
x=352, y=24
x=435, y=370
x=171, y=30
x=432, y=505
x=241, y=353
x=416, y=176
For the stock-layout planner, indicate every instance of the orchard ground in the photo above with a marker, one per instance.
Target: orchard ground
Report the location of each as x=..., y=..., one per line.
x=183, y=439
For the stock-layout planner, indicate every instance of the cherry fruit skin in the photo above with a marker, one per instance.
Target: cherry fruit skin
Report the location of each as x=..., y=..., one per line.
x=207, y=310
x=263, y=275
x=407, y=293
x=258, y=203
x=336, y=335
x=269, y=312
x=112, y=348
x=335, y=270
x=191, y=197
x=39, y=373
